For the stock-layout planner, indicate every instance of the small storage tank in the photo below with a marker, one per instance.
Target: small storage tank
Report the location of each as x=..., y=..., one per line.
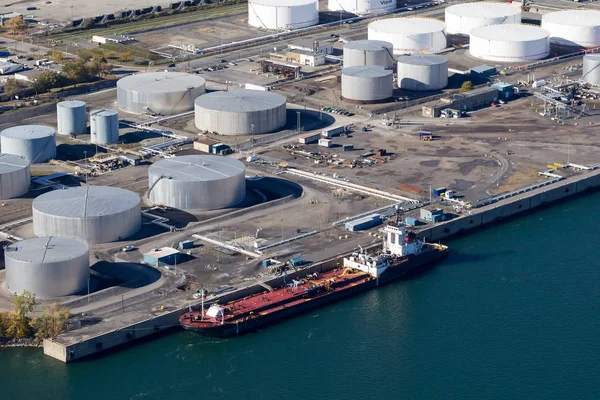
x=160, y=93
x=410, y=35
x=367, y=84
x=70, y=118
x=462, y=18
x=36, y=143
x=421, y=72
x=287, y=14
x=509, y=43
x=361, y=7
x=15, y=176
x=104, y=126
x=96, y=214
x=591, y=69
x=240, y=112
x=573, y=27
x=369, y=52
x=198, y=182
x=47, y=266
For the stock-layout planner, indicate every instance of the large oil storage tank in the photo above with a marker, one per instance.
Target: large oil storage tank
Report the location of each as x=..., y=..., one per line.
x=283, y=14
x=367, y=84
x=36, y=143
x=573, y=27
x=70, y=118
x=368, y=52
x=164, y=93
x=462, y=18
x=240, y=112
x=96, y=214
x=422, y=72
x=509, y=43
x=591, y=69
x=15, y=176
x=47, y=266
x=104, y=126
x=197, y=182
x=410, y=35
x=361, y=7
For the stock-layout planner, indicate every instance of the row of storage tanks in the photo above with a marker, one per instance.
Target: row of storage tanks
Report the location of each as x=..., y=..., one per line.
x=56, y=263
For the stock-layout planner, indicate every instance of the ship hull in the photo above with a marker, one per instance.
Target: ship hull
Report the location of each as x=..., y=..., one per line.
x=245, y=326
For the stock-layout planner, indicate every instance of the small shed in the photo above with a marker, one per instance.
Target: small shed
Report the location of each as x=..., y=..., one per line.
x=164, y=255
x=363, y=223
x=432, y=214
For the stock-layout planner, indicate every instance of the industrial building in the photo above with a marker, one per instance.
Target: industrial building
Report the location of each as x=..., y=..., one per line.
x=280, y=15
x=367, y=84
x=71, y=118
x=463, y=18
x=240, y=112
x=162, y=256
x=469, y=101
x=35, y=143
x=363, y=223
x=197, y=182
x=298, y=56
x=104, y=126
x=159, y=93
x=573, y=27
x=369, y=52
x=505, y=90
x=509, y=43
x=96, y=214
x=432, y=214
x=48, y=267
x=591, y=69
x=308, y=138
x=422, y=72
x=313, y=46
x=205, y=145
x=361, y=7
x=410, y=35
x=15, y=176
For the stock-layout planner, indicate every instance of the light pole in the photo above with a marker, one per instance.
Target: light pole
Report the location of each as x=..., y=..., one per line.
x=71, y=14
x=88, y=289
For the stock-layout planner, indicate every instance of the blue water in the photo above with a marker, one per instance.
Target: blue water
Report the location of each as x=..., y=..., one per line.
x=512, y=313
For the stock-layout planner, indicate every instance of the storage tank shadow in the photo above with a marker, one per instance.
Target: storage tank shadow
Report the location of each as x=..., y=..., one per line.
x=309, y=119
x=129, y=275
x=74, y=152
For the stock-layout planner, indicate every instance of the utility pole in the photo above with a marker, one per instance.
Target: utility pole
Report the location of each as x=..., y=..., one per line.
x=123, y=302
x=88, y=289
x=569, y=149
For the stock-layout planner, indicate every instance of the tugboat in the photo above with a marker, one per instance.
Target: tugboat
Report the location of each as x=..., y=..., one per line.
x=402, y=252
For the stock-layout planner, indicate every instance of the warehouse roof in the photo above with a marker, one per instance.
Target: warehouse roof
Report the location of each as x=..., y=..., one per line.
x=10, y=163
x=240, y=100
x=198, y=168
x=162, y=252
x=46, y=249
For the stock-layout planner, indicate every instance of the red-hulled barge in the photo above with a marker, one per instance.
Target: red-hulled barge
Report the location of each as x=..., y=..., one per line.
x=401, y=253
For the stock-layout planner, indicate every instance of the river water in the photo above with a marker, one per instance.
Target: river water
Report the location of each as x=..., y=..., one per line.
x=512, y=313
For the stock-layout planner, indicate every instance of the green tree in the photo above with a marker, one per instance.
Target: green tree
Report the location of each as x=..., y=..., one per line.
x=47, y=80
x=51, y=323
x=466, y=86
x=13, y=88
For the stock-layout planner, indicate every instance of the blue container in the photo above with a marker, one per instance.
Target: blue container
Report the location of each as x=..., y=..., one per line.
x=186, y=244
x=411, y=221
x=266, y=263
x=439, y=191
x=296, y=261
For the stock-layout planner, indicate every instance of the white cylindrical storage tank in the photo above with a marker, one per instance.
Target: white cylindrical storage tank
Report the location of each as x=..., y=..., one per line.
x=164, y=93
x=47, y=266
x=15, y=176
x=70, y=118
x=197, y=182
x=96, y=214
x=104, y=126
x=591, y=69
x=368, y=52
x=240, y=112
x=361, y=7
x=422, y=72
x=462, y=18
x=367, y=84
x=35, y=143
x=573, y=27
x=287, y=14
x=410, y=35
x=509, y=43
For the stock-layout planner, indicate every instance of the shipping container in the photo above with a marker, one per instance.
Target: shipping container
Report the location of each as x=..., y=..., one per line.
x=325, y=142
x=439, y=191
x=186, y=244
x=331, y=132
x=309, y=138
x=348, y=147
x=296, y=261
x=381, y=152
x=204, y=145
x=363, y=223
x=411, y=221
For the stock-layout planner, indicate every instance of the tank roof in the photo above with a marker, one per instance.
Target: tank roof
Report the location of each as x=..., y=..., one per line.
x=86, y=201
x=483, y=10
x=71, y=104
x=574, y=17
x=407, y=26
x=104, y=113
x=280, y=3
x=240, y=100
x=198, y=168
x=161, y=82
x=367, y=45
x=10, y=163
x=510, y=32
x=47, y=249
x=423, y=59
x=366, y=71
x=28, y=132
